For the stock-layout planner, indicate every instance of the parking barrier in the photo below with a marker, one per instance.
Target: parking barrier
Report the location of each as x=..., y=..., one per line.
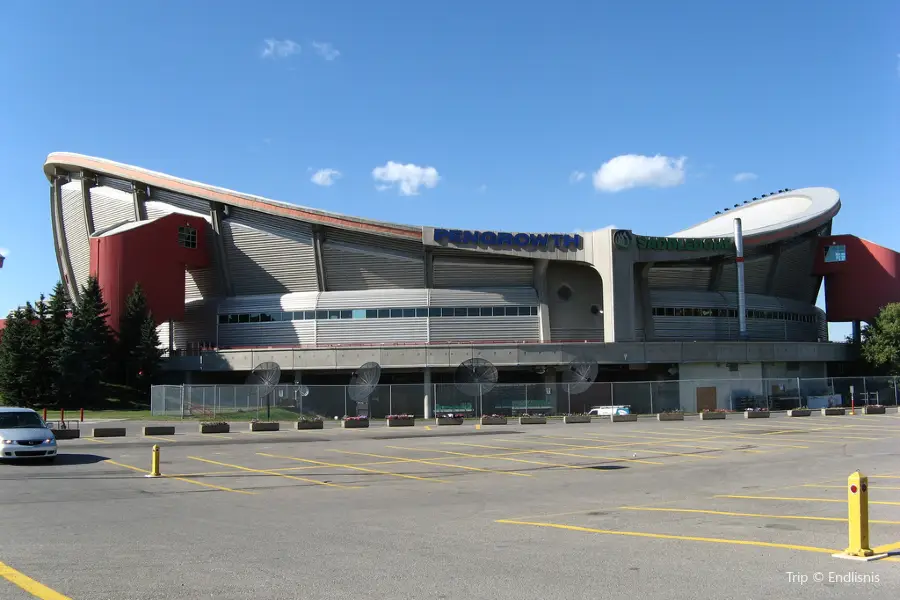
x=154, y=462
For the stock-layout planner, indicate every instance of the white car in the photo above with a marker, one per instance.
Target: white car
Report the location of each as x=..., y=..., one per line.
x=605, y=411
x=24, y=435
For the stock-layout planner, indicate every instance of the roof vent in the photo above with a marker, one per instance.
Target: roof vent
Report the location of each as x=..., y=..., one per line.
x=718, y=212
x=736, y=205
x=746, y=201
x=756, y=197
x=726, y=210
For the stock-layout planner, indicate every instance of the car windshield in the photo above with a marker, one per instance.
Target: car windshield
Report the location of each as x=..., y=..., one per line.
x=19, y=420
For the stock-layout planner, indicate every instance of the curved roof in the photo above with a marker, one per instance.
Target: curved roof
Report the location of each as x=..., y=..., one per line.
x=773, y=218
x=77, y=162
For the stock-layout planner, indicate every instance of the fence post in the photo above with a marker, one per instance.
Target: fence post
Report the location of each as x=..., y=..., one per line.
x=569, y=396
x=526, y=398
x=895, y=391
x=799, y=394
x=391, y=399
x=345, y=400
x=182, y=401
x=650, y=384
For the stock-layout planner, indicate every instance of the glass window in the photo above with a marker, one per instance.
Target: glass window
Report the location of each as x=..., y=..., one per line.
x=321, y=314
x=408, y=313
x=187, y=237
x=265, y=317
x=421, y=312
x=460, y=312
x=434, y=312
x=371, y=313
x=309, y=315
x=358, y=313
x=446, y=312
x=396, y=313
x=706, y=312
x=347, y=314
x=254, y=318
x=534, y=311
x=524, y=311
x=732, y=313
x=243, y=318
x=223, y=318
x=679, y=312
x=384, y=313
x=292, y=316
x=499, y=311
x=232, y=318
x=474, y=312
x=670, y=312
x=836, y=253
x=486, y=311
x=334, y=314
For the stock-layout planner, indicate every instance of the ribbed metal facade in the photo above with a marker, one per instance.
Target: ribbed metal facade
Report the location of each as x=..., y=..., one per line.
x=117, y=184
x=372, y=331
x=793, y=274
x=287, y=333
x=193, y=204
x=398, y=298
x=239, y=304
x=522, y=296
x=756, y=275
x=198, y=327
x=455, y=271
x=110, y=207
x=457, y=329
x=724, y=328
x=357, y=261
x=267, y=255
x=162, y=332
x=204, y=283
x=156, y=210
x=75, y=230
x=679, y=277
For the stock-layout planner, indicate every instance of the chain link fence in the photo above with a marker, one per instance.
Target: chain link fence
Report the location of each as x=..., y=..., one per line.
x=285, y=402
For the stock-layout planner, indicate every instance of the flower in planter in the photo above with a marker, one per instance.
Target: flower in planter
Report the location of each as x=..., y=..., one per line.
x=309, y=418
x=356, y=418
x=393, y=417
x=214, y=423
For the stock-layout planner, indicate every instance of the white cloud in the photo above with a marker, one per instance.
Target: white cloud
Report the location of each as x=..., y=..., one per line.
x=325, y=177
x=326, y=50
x=280, y=48
x=576, y=176
x=409, y=177
x=636, y=170
x=745, y=176
x=4, y=252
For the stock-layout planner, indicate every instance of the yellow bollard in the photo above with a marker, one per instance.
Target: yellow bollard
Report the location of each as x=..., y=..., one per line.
x=858, y=502
x=154, y=462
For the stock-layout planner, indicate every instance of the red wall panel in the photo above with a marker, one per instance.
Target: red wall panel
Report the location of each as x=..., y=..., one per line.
x=148, y=254
x=856, y=289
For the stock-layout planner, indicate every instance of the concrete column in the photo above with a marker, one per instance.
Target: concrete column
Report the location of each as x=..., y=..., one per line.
x=857, y=332
x=540, y=286
x=427, y=389
x=551, y=392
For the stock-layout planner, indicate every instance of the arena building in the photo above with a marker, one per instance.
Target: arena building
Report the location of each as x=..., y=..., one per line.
x=236, y=280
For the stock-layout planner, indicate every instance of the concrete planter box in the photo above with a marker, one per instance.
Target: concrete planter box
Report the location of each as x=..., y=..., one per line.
x=712, y=416
x=159, y=430
x=569, y=419
x=532, y=420
x=108, y=432
x=355, y=424
x=493, y=420
x=264, y=426
x=670, y=417
x=400, y=422
x=310, y=424
x=756, y=414
x=799, y=412
x=449, y=421
x=873, y=410
x=215, y=427
x=623, y=418
x=66, y=434
x=833, y=412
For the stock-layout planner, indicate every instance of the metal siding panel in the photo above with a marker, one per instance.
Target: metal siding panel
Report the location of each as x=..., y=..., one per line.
x=366, y=240
x=524, y=296
x=268, y=255
x=793, y=273
x=283, y=333
x=156, y=210
x=397, y=298
x=460, y=329
x=357, y=268
x=361, y=331
x=204, y=283
x=117, y=184
x=198, y=326
x=566, y=334
x=697, y=278
x=162, y=332
x=756, y=274
x=76, y=236
x=286, y=302
x=467, y=272
x=110, y=207
x=193, y=204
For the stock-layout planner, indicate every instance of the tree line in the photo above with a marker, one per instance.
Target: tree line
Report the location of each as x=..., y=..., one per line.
x=61, y=355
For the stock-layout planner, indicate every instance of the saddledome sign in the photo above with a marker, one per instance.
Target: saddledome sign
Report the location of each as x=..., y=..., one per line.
x=624, y=240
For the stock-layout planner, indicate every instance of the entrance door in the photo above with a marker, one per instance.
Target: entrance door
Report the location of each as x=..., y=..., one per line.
x=706, y=399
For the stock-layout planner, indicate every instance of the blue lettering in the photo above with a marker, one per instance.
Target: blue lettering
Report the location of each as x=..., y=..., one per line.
x=488, y=238
x=522, y=239
x=455, y=236
x=554, y=239
x=469, y=237
x=538, y=240
x=504, y=239
x=441, y=235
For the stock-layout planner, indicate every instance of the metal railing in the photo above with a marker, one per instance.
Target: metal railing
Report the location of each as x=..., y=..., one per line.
x=646, y=397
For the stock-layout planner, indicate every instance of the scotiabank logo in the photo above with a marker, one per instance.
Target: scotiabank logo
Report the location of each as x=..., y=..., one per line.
x=622, y=239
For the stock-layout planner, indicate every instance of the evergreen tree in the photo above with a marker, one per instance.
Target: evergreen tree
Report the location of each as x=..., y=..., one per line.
x=58, y=314
x=44, y=356
x=130, y=332
x=881, y=340
x=147, y=355
x=85, y=353
x=17, y=358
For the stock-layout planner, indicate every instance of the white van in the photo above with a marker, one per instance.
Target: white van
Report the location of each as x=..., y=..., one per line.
x=605, y=411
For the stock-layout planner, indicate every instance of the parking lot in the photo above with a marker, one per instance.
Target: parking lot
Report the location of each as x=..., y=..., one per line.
x=726, y=509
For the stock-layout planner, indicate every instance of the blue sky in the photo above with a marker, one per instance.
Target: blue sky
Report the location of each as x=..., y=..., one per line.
x=481, y=114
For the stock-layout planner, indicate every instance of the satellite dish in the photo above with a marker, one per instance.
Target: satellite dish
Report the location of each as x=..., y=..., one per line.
x=475, y=376
x=364, y=381
x=304, y=391
x=579, y=375
x=265, y=376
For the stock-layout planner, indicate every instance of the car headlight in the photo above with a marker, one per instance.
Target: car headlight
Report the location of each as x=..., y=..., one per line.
x=6, y=442
x=50, y=441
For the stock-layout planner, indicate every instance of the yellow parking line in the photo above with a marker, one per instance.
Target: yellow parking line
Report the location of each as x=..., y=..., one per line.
x=738, y=514
x=528, y=451
x=275, y=473
x=843, y=487
x=162, y=439
x=799, y=499
x=662, y=442
x=435, y=463
x=663, y=536
x=354, y=468
x=36, y=589
x=493, y=457
x=93, y=439
x=691, y=438
x=886, y=547
x=614, y=447
x=184, y=479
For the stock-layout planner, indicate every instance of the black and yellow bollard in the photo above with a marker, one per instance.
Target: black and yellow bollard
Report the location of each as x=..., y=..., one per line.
x=154, y=462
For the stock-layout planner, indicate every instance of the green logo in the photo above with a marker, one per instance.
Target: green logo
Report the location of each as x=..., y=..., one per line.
x=622, y=239
x=684, y=244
